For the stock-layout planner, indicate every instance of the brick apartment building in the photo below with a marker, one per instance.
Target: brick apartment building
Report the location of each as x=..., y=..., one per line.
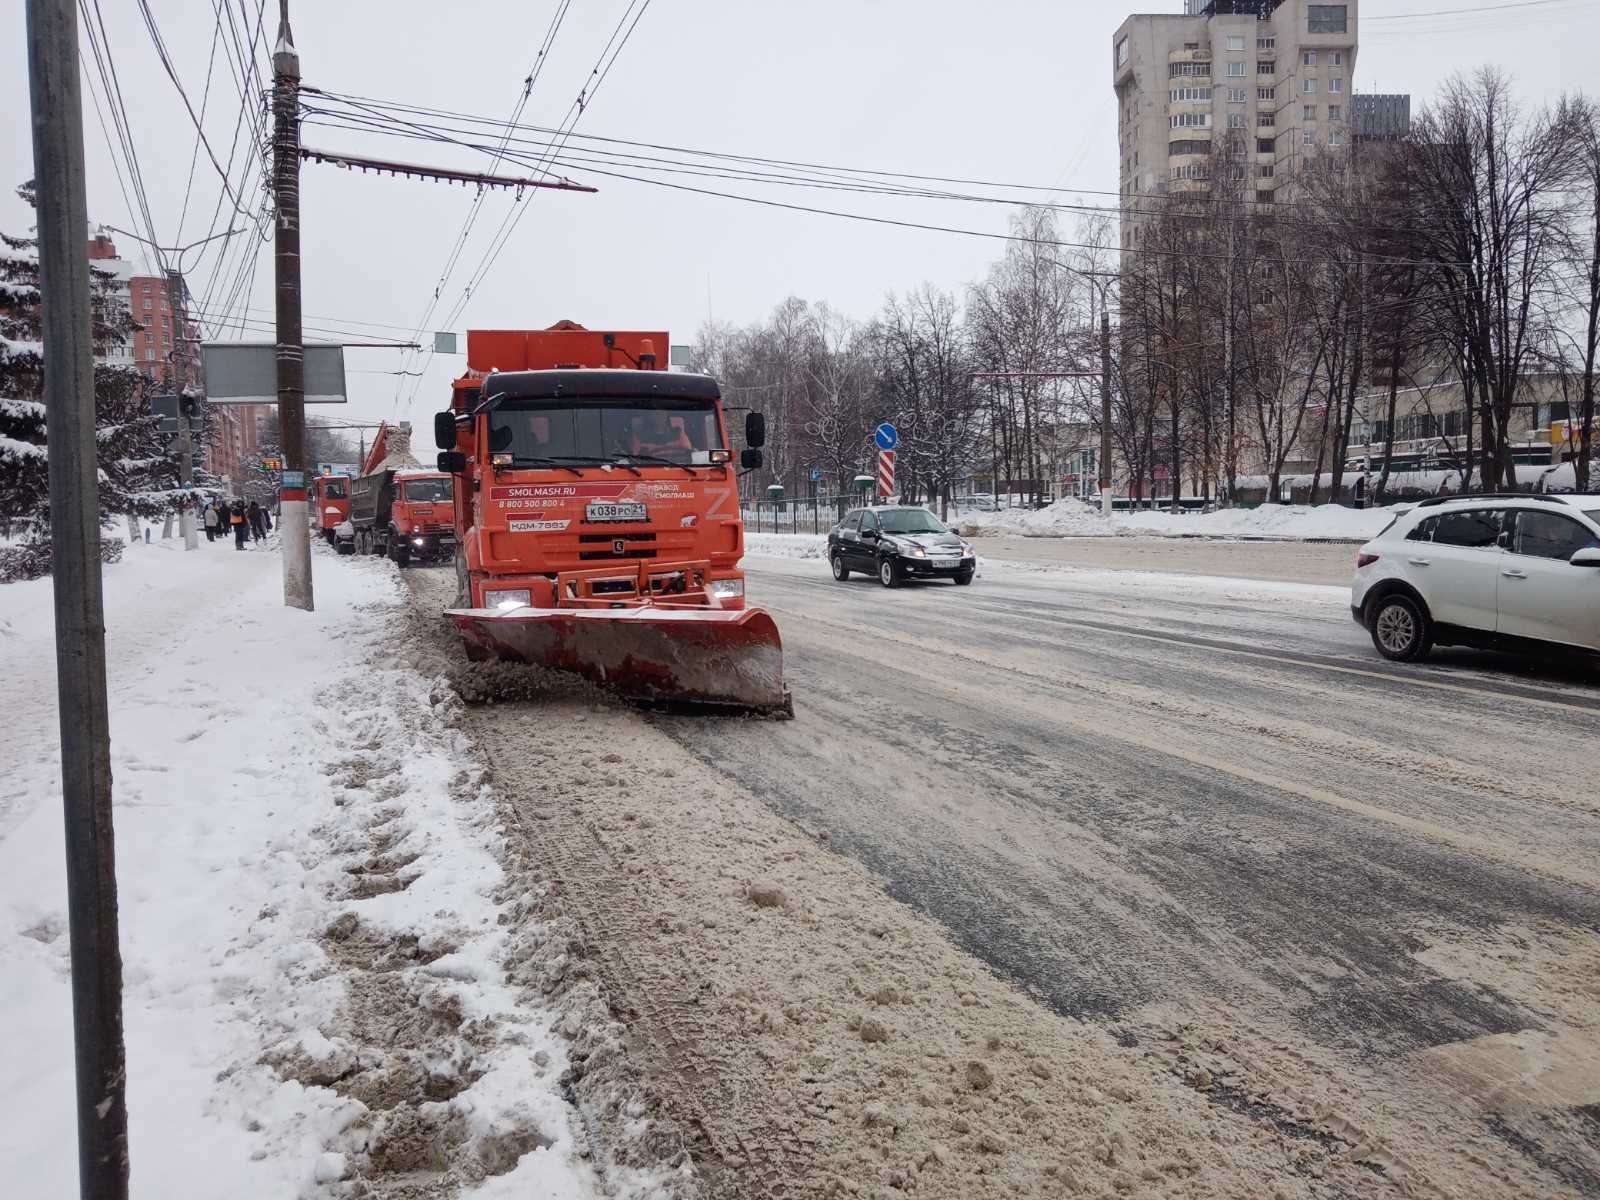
x=163, y=348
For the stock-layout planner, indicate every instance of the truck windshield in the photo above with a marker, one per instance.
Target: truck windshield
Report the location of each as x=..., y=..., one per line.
x=428, y=490
x=334, y=489
x=683, y=434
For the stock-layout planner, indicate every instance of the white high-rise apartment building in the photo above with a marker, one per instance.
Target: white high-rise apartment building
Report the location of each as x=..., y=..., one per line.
x=1272, y=76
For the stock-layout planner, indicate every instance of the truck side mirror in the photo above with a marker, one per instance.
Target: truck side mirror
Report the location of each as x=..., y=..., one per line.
x=444, y=431
x=751, y=458
x=452, y=462
x=755, y=430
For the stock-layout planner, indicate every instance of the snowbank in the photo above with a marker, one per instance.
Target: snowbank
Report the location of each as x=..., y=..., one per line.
x=1075, y=518
x=786, y=545
x=308, y=875
x=1064, y=518
x=1270, y=520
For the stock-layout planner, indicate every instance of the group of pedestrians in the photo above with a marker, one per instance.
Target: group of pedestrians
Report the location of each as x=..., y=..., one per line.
x=244, y=521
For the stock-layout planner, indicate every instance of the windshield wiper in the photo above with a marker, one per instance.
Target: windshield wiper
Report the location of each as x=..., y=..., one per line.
x=655, y=460
x=546, y=462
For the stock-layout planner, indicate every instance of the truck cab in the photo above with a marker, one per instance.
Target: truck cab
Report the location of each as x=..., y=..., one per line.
x=589, y=477
x=408, y=515
x=330, y=504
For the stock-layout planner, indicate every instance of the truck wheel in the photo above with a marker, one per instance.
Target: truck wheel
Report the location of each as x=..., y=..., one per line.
x=399, y=549
x=463, y=586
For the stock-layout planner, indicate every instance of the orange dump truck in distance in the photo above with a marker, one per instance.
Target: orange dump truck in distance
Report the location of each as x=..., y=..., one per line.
x=597, y=518
x=330, y=504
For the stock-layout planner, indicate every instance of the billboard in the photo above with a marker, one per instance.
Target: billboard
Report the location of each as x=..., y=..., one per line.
x=247, y=372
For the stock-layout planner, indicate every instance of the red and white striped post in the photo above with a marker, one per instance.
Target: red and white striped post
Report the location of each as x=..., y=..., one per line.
x=885, y=474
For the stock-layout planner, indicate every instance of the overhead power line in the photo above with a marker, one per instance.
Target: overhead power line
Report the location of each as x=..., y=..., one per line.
x=1461, y=12
x=172, y=74
x=453, y=259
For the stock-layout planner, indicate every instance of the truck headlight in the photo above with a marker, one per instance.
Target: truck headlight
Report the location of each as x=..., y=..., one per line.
x=727, y=589
x=510, y=598
x=419, y=541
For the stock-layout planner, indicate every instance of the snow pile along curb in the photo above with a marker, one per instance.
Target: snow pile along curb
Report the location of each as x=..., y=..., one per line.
x=316, y=993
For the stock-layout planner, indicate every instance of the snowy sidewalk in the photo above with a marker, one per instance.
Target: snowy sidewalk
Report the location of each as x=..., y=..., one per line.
x=309, y=879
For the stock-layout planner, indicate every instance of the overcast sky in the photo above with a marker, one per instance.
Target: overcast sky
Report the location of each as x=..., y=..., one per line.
x=1007, y=90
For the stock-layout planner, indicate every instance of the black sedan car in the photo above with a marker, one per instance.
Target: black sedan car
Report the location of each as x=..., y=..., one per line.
x=898, y=543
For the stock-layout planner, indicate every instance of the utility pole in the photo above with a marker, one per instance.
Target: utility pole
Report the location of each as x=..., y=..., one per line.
x=1106, y=504
x=179, y=364
x=57, y=111
x=295, y=528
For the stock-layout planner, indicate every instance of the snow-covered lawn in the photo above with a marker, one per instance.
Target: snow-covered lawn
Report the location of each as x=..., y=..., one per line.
x=309, y=889
x=1074, y=518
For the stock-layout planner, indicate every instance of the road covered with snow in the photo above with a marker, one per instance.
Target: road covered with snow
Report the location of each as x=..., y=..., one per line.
x=1352, y=900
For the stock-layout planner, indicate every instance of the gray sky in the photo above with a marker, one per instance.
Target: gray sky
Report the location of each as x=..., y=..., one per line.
x=1007, y=90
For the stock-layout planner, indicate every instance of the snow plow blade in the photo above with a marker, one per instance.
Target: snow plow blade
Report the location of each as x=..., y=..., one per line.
x=696, y=656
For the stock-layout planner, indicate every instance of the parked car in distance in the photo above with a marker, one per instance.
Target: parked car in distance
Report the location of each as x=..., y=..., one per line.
x=898, y=542
x=1514, y=572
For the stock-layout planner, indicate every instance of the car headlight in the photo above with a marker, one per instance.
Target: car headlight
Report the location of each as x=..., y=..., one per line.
x=419, y=541
x=727, y=589
x=917, y=552
x=966, y=550
x=510, y=598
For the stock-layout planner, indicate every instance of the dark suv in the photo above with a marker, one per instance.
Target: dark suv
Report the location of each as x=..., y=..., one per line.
x=898, y=543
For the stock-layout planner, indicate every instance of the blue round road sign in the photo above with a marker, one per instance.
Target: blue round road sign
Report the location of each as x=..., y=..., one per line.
x=887, y=436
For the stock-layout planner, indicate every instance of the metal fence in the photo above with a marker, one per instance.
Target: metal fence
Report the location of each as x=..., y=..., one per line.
x=807, y=514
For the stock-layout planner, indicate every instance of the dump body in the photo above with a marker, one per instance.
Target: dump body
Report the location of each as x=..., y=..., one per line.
x=404, y=514
x=597, y=515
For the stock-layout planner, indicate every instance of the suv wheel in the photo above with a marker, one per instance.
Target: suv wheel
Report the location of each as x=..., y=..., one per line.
x=840, y=571
x=1400, y=629
x=889, y=573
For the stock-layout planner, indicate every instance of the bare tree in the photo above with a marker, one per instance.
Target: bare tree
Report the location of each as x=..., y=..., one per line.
x=1491, y=183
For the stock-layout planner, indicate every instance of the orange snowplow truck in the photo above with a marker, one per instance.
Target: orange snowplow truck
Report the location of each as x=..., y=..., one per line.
x=597, y=519
x=330, y=504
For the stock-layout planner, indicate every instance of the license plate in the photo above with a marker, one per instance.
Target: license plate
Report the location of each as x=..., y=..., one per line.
x=616, y=512
x=947, y=562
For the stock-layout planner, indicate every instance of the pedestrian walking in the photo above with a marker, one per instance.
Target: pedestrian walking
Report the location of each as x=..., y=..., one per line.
x=253, y=515
x=211, y=521
x=266, y=518
x=240, y=523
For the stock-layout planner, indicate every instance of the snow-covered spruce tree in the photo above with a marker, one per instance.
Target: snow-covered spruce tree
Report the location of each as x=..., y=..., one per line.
x=138, y=469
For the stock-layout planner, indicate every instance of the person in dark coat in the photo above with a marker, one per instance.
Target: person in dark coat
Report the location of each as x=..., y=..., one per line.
x=253, y=515
x=240, y=521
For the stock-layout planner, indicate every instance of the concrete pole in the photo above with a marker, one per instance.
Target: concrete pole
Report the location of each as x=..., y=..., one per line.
x=1106, y=505
x=294, y=527
x=57, y=112
x=180, y=367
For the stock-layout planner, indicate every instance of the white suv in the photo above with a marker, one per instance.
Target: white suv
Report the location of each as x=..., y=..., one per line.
x=1515, y=572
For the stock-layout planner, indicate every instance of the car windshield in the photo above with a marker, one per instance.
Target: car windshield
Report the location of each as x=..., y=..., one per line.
x=428, y=490
x=910, y=520
x=334, y=489
x=599, y=430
